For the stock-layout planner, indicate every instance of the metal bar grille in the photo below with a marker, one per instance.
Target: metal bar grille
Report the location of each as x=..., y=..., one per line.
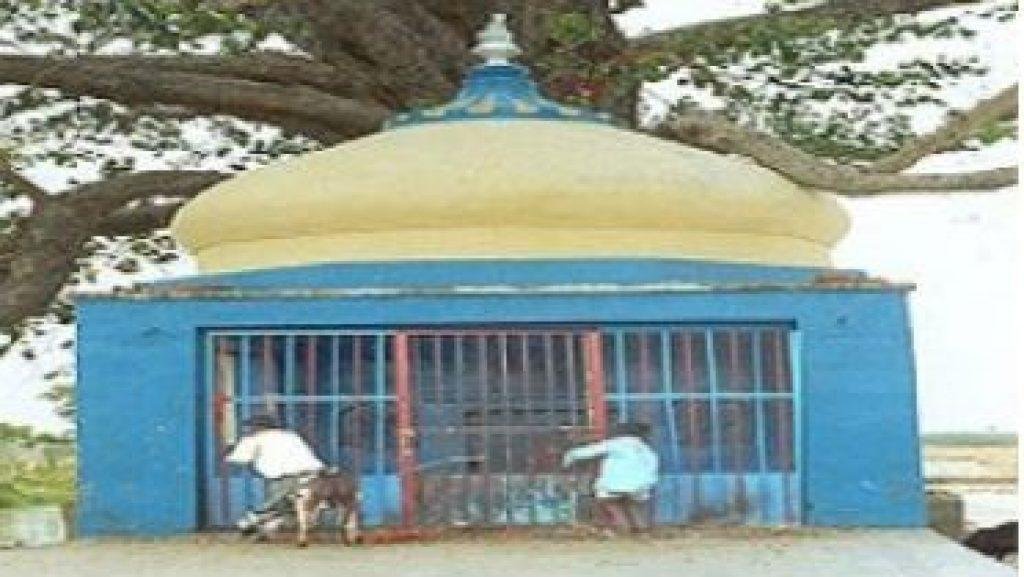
x=467, y=427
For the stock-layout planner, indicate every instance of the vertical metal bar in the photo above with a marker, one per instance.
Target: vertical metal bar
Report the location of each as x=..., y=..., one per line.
x=335, y=404
x=644, y=405
x=380, y=391
x=735, y=411
x=443, y=476
x=645, y=374
x=693, y=425
x=549, y=380
x=269, y=375
x=212, y=436
x=244, y=393
x=781, y=378
x=289, y=380
x=621, y=386
x=796, y=370
x=357, y=390
x=670, y=416
x=405, y=431
x=738, y=426
x=573, y=394
x=734, y=361
x=417, y=401
x=552, y=443
x=782, y=424
x=460, y=406
x=597, y=409
x=311, y=360
x=759, y=400
x=485, y=430
x=507, y=422
x=762, y=453
x=528, y=420
x=438, y=388
x=220, y=402
x=709, y=345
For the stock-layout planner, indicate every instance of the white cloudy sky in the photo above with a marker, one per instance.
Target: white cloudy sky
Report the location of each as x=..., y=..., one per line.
x=959, y=249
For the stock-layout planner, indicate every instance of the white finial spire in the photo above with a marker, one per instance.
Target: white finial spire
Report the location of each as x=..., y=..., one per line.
x=496, y=43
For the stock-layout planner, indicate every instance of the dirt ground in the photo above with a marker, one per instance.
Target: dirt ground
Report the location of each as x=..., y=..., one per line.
x=861, y=553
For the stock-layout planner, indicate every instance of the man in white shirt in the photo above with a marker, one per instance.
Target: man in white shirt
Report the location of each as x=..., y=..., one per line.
x=629, y=470
x=282, y=458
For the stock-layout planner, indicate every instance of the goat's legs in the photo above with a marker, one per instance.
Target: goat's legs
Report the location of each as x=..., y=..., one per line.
x=350, y=529
x=302, y=515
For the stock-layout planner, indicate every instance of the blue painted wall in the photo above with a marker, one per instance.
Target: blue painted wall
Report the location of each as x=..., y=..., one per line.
x=138, y=373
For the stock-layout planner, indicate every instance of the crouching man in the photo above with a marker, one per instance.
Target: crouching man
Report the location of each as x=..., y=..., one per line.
x=285, y=462
x=628, y=472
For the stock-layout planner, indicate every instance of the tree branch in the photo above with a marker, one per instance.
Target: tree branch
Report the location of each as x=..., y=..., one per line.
x=296, y=108
x=138, y=220
x=42, y=256
x=100, y=198
x=835, y=13
x=265, y=67
x=959, y=128
x=712, y=133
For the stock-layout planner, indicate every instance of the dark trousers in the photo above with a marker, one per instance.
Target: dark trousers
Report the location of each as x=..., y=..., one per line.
x=279, y=494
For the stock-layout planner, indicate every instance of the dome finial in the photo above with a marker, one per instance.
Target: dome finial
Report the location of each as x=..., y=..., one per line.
x=496, y=42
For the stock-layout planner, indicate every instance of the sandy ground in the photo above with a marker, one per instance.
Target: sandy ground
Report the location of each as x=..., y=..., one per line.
x=981, y=462
x=861, y=553
x=988, y=506
x=985, y=477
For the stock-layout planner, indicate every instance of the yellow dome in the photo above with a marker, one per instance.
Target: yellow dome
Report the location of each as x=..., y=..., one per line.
x=508, y=189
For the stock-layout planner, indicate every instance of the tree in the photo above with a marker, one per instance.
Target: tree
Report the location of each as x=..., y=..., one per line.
x=88, y=80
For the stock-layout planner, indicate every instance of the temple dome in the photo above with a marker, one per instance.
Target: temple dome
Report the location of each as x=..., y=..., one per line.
x=501, y=173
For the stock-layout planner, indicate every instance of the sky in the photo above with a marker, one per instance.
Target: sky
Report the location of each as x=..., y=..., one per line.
x=959, y=249
x=961, y=253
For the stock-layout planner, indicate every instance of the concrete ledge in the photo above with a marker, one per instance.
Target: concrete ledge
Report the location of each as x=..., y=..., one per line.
x=718, y=553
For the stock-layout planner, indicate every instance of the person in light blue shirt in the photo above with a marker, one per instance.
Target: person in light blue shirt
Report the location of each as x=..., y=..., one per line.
x=628, y=472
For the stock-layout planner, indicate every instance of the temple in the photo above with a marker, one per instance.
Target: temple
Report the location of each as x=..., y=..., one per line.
x=446, y=306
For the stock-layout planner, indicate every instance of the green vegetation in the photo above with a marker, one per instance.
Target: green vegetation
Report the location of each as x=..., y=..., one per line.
x=23, y=434
x=24, y=484
x=35, y=469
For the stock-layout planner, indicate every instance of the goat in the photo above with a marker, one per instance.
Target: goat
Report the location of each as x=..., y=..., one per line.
x=998, y=541
x=329, y=490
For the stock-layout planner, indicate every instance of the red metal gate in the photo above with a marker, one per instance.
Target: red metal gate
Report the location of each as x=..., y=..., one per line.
x=483, y=419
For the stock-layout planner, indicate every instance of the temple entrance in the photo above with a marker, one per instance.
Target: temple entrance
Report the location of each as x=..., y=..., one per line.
x=492, y=414
x=467, y=426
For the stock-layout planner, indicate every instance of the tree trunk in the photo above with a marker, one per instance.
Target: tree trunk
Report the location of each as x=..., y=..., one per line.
x=418, y=50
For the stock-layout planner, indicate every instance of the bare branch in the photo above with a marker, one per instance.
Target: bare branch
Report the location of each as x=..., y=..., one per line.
x=296, y=108
x=960, y=127
x=100, y=198
x=40, y=259
x=265, y=67
x=712, y=133
x=138, y=220
x=833, y=12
